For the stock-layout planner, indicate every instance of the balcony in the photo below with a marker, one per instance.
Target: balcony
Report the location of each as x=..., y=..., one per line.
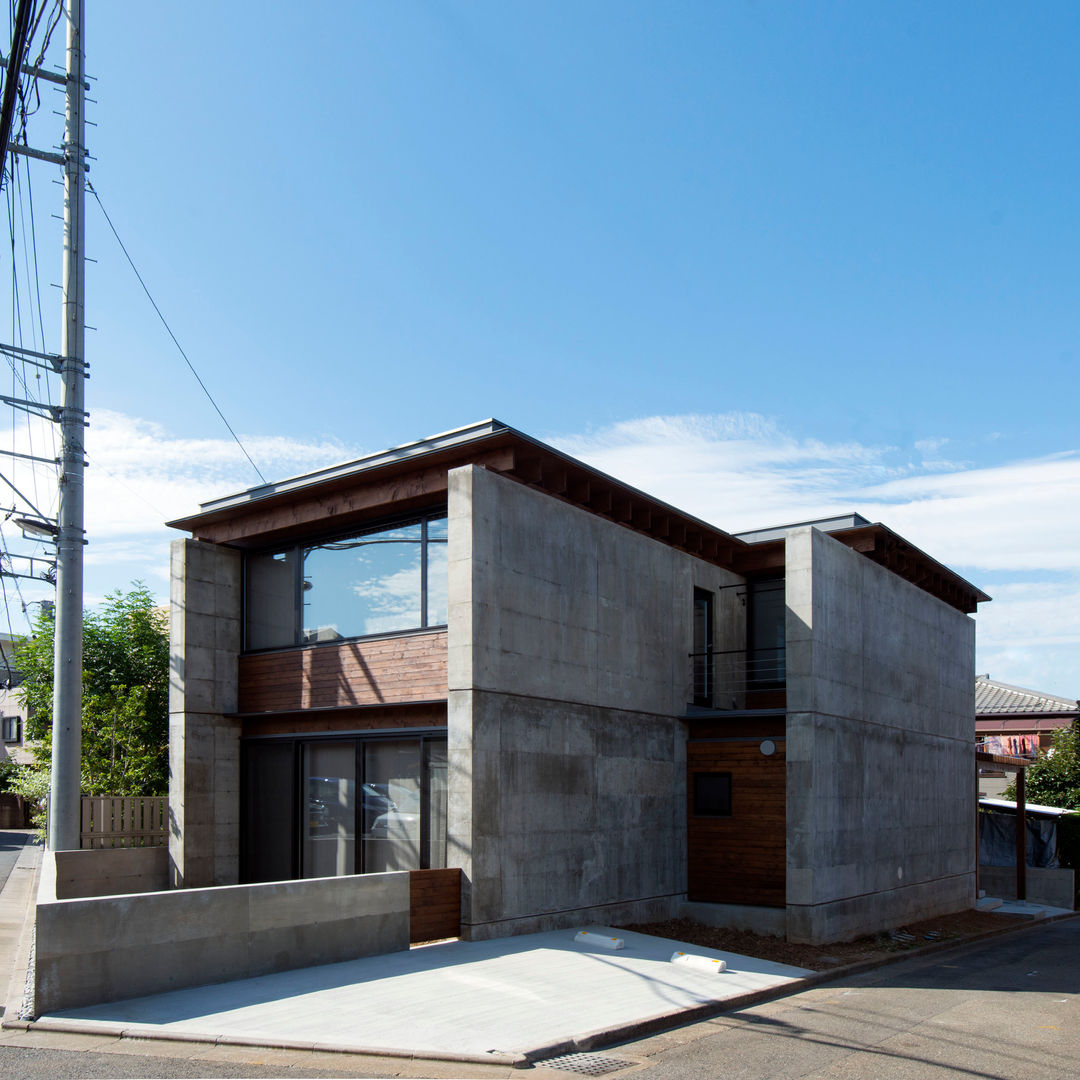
x=738, y=679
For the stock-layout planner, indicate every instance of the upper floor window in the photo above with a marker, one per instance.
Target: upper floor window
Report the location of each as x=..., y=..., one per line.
x=379, y=581
x=12, y=728
x=766, y=634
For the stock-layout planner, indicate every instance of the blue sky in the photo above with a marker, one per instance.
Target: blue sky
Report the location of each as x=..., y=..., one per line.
x=766, y=260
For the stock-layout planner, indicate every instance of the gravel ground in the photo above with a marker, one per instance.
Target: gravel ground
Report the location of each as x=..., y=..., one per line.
x=962, y=924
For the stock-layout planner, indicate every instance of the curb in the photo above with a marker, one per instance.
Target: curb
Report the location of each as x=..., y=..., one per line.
x=606, y=1037
x=120, y=1031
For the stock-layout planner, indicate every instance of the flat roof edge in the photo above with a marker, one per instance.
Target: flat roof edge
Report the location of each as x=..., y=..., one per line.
x=443, y=441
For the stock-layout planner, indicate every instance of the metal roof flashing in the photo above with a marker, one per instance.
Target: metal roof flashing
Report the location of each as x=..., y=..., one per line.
x=407, y=451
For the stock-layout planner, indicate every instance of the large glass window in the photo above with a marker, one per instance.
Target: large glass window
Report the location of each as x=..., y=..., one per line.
x=380, y=581
x=767, y=638
x=331, y=806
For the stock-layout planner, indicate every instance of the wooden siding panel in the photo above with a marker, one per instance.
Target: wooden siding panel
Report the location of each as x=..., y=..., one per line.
x=384, y=671
x=434, y=904
x=739, y=859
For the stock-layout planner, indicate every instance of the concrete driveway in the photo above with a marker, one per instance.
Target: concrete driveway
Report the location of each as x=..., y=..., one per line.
x=484, y=1001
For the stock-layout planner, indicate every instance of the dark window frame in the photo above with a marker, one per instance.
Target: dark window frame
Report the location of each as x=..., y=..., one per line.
x=298, y=795
x=765, y=665
x=698, y=796
x=17, y=721
x=298, y=547
x=703, y=659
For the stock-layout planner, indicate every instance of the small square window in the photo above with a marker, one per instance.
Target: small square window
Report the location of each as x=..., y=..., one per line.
x=10, y=728
x=712, y=794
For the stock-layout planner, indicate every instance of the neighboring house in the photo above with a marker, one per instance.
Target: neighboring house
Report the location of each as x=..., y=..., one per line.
x=1015, y=721
x=475, y=651
x=12, y=710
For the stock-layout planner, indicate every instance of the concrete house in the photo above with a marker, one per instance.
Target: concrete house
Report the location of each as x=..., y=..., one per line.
x=475, y=651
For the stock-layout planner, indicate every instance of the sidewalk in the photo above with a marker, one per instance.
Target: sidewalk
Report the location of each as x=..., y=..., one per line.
x=16, y=907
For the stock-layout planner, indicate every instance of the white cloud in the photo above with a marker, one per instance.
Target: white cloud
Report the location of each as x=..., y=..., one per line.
x=1016, y=523
x=741, y=471
x=139, y=476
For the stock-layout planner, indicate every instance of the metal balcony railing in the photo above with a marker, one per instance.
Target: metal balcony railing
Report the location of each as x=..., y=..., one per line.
x=723, y=680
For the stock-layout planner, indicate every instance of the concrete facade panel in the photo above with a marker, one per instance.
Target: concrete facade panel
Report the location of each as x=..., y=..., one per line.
x=880, y=730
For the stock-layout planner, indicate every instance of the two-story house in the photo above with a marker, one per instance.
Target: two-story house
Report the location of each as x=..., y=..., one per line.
x=476, y=651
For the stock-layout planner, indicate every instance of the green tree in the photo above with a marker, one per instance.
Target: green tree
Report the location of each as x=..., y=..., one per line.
x=1053, y=779
x=125, y=699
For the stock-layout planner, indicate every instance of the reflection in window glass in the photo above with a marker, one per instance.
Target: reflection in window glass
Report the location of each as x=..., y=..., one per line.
x=437, y=582
x=328, y=813
x=311, y=814
x=366, y=585
x=392, y=841
x=435, y=805
x=383, y=581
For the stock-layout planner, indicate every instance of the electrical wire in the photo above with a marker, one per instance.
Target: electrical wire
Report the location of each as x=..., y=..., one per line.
x=25, y=375
x=168, y=329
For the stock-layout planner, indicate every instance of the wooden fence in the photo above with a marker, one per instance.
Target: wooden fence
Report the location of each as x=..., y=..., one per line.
x=114, y=821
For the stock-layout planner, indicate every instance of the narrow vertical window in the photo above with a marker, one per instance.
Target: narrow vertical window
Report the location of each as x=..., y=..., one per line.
x=766, y=635
x=703, y=647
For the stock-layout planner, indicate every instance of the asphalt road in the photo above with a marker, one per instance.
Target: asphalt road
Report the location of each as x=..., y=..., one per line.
x=1008, y=1009
x=11, y=843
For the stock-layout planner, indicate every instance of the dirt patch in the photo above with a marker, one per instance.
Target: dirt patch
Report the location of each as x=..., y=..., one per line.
x=962, y=924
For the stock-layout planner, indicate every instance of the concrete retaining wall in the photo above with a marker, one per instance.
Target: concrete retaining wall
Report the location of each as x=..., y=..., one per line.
x=112, y=947
x=569, y=661
x=881, y=720
x=110, y=871
x=1057, y=888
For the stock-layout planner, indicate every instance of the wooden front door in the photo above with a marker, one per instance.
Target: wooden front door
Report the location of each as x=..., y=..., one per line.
x=736, y=821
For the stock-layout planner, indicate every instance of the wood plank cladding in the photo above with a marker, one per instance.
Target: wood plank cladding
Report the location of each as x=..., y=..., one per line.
x=434, y=904
x=383, y=671
x=738, y=859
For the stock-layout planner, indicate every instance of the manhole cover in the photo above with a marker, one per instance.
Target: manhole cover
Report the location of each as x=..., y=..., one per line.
x=586, y=1064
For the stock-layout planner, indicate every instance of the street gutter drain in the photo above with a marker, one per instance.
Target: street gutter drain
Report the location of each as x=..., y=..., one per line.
x=586, y=1064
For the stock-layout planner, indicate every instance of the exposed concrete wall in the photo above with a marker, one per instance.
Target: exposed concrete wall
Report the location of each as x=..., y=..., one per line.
x=1056, y=888
x=204, y=744
x=109, y=871
x=569, y=643
x=881, y=721
x=113, y=947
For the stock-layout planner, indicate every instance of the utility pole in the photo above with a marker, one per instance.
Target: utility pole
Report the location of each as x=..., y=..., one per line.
x=64, y=797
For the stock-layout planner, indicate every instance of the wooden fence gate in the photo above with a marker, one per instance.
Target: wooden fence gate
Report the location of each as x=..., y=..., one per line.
x=115, y=821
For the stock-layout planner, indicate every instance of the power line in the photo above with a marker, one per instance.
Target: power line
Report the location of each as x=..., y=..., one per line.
x=90, y=188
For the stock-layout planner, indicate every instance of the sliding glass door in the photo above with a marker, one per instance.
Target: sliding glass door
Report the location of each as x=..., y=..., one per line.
x=342, y=805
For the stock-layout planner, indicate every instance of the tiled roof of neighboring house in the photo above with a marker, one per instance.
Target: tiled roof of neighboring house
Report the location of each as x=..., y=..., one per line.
x=995, y=698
